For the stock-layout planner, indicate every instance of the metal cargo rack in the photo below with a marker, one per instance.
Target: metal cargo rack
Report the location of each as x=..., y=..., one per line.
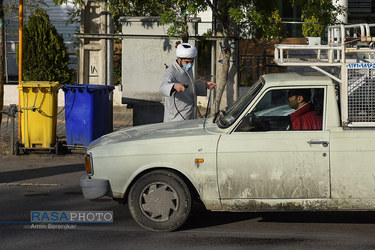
x=349, y=59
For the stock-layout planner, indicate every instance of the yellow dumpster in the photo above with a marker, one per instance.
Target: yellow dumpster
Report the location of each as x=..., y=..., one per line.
x=38, y=106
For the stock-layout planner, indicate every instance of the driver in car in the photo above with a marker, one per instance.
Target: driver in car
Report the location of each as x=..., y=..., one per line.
x=304, y=117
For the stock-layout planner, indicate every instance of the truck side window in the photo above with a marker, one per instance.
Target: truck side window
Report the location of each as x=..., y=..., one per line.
x=286, y=109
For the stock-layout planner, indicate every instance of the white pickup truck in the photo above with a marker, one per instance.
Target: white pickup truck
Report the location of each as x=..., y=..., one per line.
x=246, y=159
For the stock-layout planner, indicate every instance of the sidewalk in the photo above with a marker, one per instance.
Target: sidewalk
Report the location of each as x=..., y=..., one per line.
x=122, y=118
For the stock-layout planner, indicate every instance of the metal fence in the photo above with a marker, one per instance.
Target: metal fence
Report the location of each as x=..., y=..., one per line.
x=122, y=118
x=361, y=92
x=252, y=66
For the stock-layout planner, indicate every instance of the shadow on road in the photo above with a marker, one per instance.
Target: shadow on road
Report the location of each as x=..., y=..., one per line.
x=350, y=217
x=208, y=219
x=25, y=174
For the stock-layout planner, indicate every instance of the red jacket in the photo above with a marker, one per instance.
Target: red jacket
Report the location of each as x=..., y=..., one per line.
x=305, y=118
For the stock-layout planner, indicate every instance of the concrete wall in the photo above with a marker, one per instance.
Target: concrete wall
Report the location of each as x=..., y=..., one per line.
x=144, y=59
x=145, y=56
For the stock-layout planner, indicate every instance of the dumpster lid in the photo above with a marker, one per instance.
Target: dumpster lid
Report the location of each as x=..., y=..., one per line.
x=41, y=84
x=88, y=86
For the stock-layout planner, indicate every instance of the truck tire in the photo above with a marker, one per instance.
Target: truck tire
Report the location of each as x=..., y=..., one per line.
x=160, y=201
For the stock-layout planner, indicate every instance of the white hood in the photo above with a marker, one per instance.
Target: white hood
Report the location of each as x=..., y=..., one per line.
x=152, y=131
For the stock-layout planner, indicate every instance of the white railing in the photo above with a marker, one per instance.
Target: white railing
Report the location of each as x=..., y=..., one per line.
x=306, y=55
x=337, y=51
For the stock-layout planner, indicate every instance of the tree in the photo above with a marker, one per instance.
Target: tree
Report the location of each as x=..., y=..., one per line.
x=46, y=57
x=255, y=19
x=319, y=14
x=11, y=7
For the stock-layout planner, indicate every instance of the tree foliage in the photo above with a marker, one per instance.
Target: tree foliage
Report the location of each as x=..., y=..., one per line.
x=256, y=19
x=319, y=14
x=253, y=17
x=11, y=7
x=45, y=56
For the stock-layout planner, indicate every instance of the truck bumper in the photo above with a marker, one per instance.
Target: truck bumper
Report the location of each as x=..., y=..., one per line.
x=93, y=188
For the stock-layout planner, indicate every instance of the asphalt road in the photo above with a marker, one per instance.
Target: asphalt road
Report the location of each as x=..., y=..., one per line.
x=51, y=183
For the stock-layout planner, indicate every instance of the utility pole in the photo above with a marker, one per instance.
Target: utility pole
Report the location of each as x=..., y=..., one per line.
x=20, y=40
x=2, y=56
x=20, y=58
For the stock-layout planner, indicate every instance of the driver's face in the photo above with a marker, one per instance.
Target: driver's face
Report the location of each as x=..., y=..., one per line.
x=293, y=101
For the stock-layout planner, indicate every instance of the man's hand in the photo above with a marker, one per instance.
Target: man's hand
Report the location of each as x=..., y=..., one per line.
x=210, y=85
x=179, y=87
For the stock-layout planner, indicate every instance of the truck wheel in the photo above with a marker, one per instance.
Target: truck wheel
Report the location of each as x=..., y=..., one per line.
x=160, y=201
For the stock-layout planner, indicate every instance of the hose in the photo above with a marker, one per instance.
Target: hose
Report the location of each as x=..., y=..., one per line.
x=194, y=105
x=175, y=105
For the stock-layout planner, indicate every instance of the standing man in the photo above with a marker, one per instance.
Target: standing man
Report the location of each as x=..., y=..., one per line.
x=179, y=86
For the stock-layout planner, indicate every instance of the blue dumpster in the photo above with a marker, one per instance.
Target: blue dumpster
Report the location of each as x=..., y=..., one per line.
x=86, y=112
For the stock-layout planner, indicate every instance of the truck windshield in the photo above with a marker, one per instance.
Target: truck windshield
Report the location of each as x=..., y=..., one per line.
x=228, y=116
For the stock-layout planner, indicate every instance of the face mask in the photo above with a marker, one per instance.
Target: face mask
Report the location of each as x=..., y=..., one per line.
x=188, y=66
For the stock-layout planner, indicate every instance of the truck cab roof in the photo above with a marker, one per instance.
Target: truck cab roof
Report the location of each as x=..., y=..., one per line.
x=296, y=78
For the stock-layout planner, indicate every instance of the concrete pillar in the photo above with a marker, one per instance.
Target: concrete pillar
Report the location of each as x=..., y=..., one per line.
x=93, y=50
x=96, y=54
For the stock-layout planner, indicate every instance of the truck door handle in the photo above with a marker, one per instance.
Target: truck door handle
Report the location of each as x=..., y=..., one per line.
x=324, y=143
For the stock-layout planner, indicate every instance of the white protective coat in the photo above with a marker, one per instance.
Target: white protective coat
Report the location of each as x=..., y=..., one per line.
x=180, y=105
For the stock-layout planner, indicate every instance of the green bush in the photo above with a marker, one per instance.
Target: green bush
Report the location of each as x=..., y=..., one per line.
x=318, y=14
x=45, y=56
x=312, y=28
